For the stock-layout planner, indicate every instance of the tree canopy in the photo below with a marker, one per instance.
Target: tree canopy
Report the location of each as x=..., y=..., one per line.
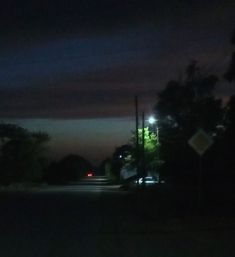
x=22, y=156
x=230, y=73
x=182, y=104
x=70, y=168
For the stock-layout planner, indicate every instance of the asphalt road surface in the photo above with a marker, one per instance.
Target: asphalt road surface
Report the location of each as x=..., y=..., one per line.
x=93, y=219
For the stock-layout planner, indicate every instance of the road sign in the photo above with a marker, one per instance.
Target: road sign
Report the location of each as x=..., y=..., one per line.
x=200, y=142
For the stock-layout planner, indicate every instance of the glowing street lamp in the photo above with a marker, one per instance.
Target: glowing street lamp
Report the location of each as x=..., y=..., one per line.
x=152, y=120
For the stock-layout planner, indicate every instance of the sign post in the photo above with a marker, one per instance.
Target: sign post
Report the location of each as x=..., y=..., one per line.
x=200, y=142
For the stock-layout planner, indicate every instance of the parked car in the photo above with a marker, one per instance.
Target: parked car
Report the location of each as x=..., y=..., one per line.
x=148, y=181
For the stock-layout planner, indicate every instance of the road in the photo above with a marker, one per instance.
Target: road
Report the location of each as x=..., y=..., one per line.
x=93, y=219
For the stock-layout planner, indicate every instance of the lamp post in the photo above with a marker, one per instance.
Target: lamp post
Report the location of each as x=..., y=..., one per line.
x=152, y=120
x=137, y=138
x=143, y=168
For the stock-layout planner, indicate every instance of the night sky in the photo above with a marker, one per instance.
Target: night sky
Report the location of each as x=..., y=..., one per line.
x=72, y=68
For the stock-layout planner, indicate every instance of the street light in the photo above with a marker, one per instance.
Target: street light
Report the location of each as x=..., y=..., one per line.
x=152, y=120
x=141, y=165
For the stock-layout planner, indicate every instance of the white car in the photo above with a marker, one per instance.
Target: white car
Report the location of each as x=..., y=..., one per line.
x=148, y=181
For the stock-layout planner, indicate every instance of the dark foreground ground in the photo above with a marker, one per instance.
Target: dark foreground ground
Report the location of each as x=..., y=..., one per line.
x=97, y=220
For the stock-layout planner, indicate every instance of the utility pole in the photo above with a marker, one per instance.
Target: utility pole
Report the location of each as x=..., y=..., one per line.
x=143, y=150
x=137, y=138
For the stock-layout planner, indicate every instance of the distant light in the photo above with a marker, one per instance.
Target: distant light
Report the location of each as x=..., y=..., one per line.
x=89, y=174
x=152, y=120
x=120, y=156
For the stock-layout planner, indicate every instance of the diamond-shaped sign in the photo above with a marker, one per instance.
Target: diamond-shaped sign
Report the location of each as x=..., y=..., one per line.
x=200, y=142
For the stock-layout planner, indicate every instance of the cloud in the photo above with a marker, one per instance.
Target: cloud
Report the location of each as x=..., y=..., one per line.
x=68, y=101
x=28, y=20
x=130, y=47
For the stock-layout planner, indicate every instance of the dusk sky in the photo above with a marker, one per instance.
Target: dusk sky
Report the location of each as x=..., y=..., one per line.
x=72, y=68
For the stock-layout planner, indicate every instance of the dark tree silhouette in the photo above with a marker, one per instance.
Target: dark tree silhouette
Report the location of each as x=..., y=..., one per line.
x=182, y=104
x=71, y=168
x=182, y=108
x=230, y=74
x=22, y=156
